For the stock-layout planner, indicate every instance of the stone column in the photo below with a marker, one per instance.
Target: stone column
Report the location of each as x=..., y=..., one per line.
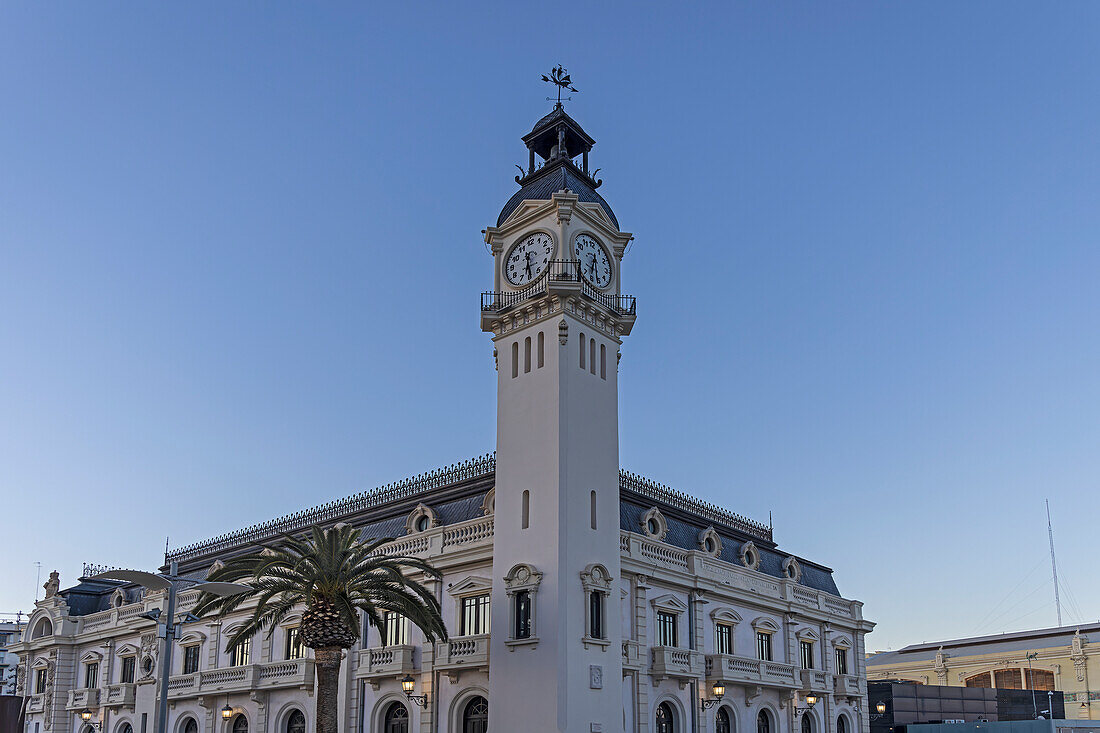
x=641, y=626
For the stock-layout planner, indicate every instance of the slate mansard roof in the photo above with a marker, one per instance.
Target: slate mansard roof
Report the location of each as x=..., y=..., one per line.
x=556, y=178
x=456, y=494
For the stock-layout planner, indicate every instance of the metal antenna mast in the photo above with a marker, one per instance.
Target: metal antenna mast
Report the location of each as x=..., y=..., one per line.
x=1054, y=566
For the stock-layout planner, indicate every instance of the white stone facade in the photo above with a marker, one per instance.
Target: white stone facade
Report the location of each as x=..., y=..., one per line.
x=578, y=597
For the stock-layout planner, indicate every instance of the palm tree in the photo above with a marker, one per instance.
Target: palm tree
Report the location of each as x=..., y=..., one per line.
x=334, y=576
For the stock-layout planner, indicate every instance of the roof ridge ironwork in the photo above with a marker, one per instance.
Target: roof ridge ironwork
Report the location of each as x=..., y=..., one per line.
x=338, y=508
x=706, y=510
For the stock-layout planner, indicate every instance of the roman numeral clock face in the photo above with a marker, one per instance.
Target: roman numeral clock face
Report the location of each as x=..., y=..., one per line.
x=528, y=259
x=594, y=263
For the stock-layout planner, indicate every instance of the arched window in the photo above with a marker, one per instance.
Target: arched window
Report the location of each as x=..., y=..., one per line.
x=592, y=356
x=582, y=350
x=515, y=359
x=296, y=722
x=665, y=722
x=191, y=726
x=722, y=722
x=841, y=724
x=240, y=724
x=807, y=726
x=126, y=728
x=542, y=348
x=527, y=355
x=45, y=628
x=763, y=723
x=397, y=719
x=475, y=716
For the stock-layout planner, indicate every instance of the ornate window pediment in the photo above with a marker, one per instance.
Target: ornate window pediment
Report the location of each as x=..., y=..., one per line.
x=522, y=577
x=842, y=642
x=750, y=556
x=669, y=603
x=710, y=542
x=127, y=650
x=91, y=657
x=421, y=519
x=40, y=663
x=725, y=615
x=596, y=577
x=654, y=524
x=195, y=637
x=765, y=625
x=806, y=634
x=470, y=586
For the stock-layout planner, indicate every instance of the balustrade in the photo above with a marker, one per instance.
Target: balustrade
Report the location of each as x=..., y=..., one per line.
x=462, y=652
x=747, y=669
x=675, y=662
x=385, y=661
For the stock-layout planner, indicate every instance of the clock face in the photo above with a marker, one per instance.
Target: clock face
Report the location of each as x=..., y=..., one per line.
x=594, y=262
x=528, y=259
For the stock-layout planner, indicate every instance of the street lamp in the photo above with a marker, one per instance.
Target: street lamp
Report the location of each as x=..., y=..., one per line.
x=86, y=716
x=169, y=629
x=408, y=684
x=719, y=690
x=227, y=712
x=880, y=708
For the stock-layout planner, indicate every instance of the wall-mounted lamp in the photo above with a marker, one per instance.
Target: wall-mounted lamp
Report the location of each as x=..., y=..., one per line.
x=811, y=700
x=86, y=716
x=719, y=690
x=227, y=712
x=408, y=684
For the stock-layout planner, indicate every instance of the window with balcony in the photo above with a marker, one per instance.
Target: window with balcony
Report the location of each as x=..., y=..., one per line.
x=475, y=615
x=191, y=659
x=523, y=615
x=292, y=645
x=806, y=654
x=841, y=656
x=126, y=673
x=395, y=629
x=91, y=674
x=240, y=655
x=39, y=681
x=764, y=646
x=666, y=628
x=723, y=639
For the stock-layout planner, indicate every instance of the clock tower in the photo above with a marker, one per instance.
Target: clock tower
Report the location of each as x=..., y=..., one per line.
x=557, y=318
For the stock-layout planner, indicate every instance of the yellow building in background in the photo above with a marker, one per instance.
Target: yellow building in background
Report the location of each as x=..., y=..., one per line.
x=1043, y=659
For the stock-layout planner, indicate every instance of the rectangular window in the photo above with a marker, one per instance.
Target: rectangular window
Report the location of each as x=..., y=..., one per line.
x=723, y=639
x=241, y=654
x=595, y=615
x=764, y=646
x=523, y=615
x=475, y=615
x=293, y=648
x=39, y=681
x=91, y=674
x=127, y=673
x=395, y=630
x=841, y=661
x=806, y=652
x=191, y=659
x=666, y=629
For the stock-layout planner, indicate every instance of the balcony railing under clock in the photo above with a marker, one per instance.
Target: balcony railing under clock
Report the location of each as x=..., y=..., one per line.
x=558, y=271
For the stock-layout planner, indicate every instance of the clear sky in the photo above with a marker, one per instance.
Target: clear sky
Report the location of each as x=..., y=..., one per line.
x=241, y=259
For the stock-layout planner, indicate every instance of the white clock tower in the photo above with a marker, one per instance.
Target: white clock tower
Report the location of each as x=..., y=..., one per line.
x=557, y=318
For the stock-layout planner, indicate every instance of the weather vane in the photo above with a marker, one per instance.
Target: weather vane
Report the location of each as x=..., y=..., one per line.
x=560, y=78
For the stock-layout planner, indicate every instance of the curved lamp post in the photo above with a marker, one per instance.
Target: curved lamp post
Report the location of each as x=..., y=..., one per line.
x=169, y=629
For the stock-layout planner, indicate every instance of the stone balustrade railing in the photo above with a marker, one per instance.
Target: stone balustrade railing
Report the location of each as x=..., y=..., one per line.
x=732, y=668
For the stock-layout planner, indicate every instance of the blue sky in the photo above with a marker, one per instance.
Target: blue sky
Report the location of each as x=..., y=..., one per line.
x=241, y=259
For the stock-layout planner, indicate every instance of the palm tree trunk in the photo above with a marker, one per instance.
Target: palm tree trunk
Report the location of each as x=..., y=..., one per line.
x=327, y=662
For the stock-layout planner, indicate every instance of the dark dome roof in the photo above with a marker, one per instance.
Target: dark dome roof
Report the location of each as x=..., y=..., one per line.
x=541, y=188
